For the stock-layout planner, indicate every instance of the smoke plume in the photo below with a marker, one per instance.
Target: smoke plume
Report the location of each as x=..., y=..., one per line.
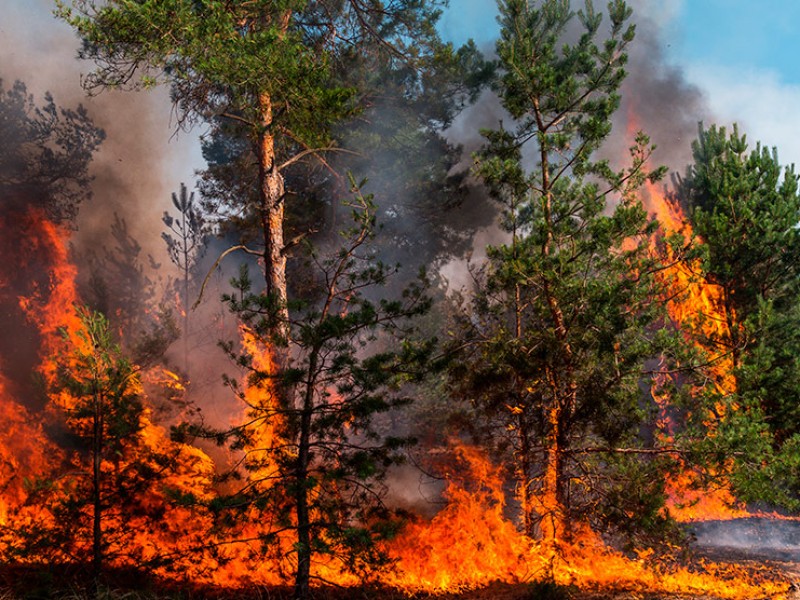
x=142, y=160
x=140, y=163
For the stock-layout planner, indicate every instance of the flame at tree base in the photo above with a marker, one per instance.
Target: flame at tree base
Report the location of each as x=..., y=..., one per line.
x=471, y=544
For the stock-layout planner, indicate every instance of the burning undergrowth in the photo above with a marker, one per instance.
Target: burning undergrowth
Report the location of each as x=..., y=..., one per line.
x=470, y=543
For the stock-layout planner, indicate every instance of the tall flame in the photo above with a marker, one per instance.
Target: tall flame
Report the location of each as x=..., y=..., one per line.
x=694, y=302
x=50, y=304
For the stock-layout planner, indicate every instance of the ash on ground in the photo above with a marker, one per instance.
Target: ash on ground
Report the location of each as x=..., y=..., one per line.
x=749, y=538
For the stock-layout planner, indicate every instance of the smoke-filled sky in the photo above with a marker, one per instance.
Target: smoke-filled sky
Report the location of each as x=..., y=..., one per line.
x=742, y=56
x=142, y=160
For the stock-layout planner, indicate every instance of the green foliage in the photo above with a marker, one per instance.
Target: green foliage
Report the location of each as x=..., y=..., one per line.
x=745, y=209
x=103, y=384
x=220, y=58
x=394, y=137
x=214, y=54
x=568, y=311
x=317, y=439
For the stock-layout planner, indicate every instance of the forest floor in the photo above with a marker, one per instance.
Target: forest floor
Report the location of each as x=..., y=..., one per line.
x=24, y=583
x=497, y=591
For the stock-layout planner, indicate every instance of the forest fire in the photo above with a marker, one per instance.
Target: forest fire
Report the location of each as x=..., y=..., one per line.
x=697, y=304
x=50, y=304
x=470, y=543
x=604, y=387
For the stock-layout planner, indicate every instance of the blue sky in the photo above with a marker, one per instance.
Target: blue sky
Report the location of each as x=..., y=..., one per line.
x=747, y=34
x=745, y=56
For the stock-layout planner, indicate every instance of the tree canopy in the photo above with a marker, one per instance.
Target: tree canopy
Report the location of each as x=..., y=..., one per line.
x=745, y=208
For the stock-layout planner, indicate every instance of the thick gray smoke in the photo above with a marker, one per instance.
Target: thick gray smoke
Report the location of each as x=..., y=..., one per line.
x=754, y=537
x=141, y=161
x=656, y=98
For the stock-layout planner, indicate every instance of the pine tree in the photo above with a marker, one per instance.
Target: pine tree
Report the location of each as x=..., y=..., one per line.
x=315, y=453
x=567, y=311
x=265, y=66
x=745, y=209
x=96, y=396
x=107, y=499
x=45, y=160
x=185, y=240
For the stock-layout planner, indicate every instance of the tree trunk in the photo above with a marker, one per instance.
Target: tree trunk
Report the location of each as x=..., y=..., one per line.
x=554, y=523
x=185, y=309
x=272, y=215
x=97, y=512
x=554, y=511
x=554, y=504
x=523, y=463
x=303, y=575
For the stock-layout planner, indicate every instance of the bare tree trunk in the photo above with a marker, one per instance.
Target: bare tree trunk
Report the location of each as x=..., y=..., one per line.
x=97, y=514
x=185, y=307
x=272, y=215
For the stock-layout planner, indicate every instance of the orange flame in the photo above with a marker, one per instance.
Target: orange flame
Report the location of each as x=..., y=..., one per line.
x=25, y=451
x=472, y=542
x=698, y=303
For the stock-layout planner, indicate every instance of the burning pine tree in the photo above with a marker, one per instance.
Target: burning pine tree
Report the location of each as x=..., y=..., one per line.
x=569, y=309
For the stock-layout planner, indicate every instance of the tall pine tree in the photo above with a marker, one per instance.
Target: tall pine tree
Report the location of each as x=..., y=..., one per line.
x=314, y=451
x=745, y=209
x=568, y=309
x=265, y=66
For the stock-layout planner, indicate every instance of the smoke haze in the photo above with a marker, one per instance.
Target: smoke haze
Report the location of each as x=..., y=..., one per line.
x=141, y=161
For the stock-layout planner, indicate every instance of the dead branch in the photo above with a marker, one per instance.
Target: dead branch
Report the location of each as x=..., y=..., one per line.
x=216, y=264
